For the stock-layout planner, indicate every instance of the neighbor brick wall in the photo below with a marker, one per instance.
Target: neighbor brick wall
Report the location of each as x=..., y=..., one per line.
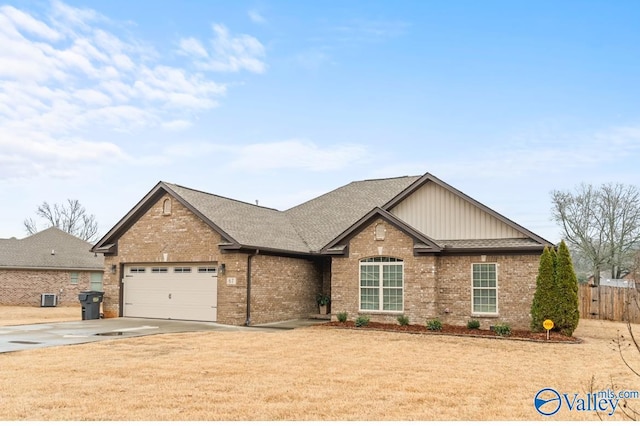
x=23, y=287
x=284, y=288
x=435, y=283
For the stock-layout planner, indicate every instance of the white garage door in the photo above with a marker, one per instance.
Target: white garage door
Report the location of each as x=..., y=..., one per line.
x=186, y=292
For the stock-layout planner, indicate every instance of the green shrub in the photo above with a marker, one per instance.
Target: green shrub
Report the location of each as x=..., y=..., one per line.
x=545, y=298
x=502, y=329
x=567, y=313
x=473, y=324
x=342, y=316
x=434, y=325
x=362, y=321
x=403, y=320
x=556, y=295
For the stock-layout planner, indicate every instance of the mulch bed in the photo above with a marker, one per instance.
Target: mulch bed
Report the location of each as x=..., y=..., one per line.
x=456, y=330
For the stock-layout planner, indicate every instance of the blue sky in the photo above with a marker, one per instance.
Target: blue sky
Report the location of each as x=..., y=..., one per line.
x=282, y=101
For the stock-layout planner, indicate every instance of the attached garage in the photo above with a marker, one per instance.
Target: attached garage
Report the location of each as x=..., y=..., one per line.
x=178, y=291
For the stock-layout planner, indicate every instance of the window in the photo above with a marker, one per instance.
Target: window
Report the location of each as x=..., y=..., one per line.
x=96, y=281
x=485, y=288
x=74, y=277
x=137, y=270
x=207, y=270
x=381, y=284
x=166, y=207
x=182, y=270
x=159, y=270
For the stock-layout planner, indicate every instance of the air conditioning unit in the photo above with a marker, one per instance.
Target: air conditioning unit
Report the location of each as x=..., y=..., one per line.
x=48, y=300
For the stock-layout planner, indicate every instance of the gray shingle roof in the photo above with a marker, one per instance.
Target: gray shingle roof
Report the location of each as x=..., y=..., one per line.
x=308, y=227
x=304, y=228
x=71, y=253
x=320, y=220
x=246, y=223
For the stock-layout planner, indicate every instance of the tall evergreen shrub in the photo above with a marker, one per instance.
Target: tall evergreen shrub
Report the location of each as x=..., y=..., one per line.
x=543, y=304
x=567, y=313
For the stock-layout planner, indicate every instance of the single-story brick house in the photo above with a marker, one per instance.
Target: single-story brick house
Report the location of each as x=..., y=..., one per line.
x=408, y=245
x=49, y=262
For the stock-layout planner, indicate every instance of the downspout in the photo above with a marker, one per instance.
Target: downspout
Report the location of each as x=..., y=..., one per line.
x=248, y=321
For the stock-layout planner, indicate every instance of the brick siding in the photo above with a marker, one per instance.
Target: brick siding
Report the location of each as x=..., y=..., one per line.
x=434, y=283
x=282, y=287
x=23, y=287
x=516, y=285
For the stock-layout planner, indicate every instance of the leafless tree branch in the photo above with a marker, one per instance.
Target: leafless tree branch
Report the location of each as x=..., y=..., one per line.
x=70, y=217
x=602, y=224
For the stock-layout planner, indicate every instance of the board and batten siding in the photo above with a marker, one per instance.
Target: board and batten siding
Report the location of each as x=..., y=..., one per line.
x=442, y=215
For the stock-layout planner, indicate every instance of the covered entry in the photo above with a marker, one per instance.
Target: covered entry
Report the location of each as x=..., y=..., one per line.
x=176, y=291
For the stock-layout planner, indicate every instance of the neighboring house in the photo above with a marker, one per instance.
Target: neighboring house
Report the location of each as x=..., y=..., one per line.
x=409, y=245
x=625, y=280
x=50, y=262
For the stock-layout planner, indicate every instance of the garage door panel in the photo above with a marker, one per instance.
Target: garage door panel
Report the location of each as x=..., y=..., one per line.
x=146, y=310
x=173, y=291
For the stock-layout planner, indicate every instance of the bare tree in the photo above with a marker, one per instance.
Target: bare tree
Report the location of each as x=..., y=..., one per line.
x=602, y=224
x=629, y=346
x=70, y=217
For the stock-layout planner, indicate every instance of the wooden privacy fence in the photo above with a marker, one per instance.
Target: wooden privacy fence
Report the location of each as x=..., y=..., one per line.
x=609, y=303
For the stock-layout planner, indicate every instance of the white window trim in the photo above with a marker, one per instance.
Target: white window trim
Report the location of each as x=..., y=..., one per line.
x=497, y=287
x=381, y=290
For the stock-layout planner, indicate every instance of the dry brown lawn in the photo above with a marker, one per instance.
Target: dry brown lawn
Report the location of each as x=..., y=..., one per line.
x=314, y=373
x=18, y=315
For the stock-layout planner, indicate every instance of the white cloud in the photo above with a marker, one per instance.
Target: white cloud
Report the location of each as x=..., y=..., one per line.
x=70, y=20
x=297, y=154
x=256, y=17
x=176, y=125
x=36, y=155
x=15, y=20
x=193, y=47
x=227, y=53
x=65, y=77
x=533, y=154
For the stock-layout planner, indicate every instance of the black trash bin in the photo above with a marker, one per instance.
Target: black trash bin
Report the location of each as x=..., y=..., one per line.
x=90, y=301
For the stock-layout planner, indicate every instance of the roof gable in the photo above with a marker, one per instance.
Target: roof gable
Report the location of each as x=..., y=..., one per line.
x=444, y=213
x=49, y=249
x=241, y=224
x=422, y=243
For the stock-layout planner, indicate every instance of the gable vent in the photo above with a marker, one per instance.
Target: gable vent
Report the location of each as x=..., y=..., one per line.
x=48, y=300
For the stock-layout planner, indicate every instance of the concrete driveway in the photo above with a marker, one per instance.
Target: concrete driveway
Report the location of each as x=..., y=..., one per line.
x=34, y=336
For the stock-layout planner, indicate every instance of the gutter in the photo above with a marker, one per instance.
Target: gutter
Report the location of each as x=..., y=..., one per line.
x=492, y=250
x=249, y=258
x=53, y=268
